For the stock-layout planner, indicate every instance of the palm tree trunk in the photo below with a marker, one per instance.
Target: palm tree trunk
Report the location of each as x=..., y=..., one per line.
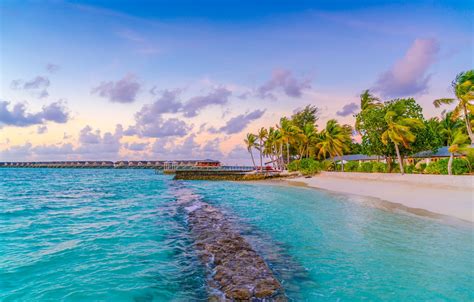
x=468, y=125
x=287, y=152
x=399, y=159
x=450, y=164
x=261, y=156
x=282, y=161
x=253, y=160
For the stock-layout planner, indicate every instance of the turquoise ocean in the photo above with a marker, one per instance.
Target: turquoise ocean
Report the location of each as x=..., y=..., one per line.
x=119, y=235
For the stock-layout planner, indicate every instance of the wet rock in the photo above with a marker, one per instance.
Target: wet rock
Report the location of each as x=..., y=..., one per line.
x=234, y=268
x=239, y=294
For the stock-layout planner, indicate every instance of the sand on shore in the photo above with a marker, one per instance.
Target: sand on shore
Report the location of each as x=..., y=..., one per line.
x=440, y=194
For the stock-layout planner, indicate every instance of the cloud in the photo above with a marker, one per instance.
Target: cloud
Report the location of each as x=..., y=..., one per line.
x=348, y=109
x=187, y=149
x=239, y=156
x=95, y=145
x=220, y=96
x=91, y=145
x=124, y=90
x=52, y=68
x=284, y=80
x=150, y=123
x=136, y=146
x=41, y=129
x=408, y=76
x=18, y=116
x=168, y=102
x=238, y=123
x=37, y=86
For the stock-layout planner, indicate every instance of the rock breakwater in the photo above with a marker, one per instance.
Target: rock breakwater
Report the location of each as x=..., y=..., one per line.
x=236, y=272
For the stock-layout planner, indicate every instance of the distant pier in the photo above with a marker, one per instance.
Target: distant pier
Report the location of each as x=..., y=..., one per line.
x=123, y=164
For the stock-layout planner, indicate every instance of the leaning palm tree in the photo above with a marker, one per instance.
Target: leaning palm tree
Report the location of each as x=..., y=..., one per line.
x=463, y=87
x=261, y=135
x=458, y=144
x=399, y=131
x=333, y=141
x=251, y=142
x=367, y=102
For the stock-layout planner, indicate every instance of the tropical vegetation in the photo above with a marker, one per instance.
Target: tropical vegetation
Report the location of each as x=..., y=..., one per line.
x=391, y=131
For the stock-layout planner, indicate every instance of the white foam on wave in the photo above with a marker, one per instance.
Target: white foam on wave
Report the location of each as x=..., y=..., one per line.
x=194, y=207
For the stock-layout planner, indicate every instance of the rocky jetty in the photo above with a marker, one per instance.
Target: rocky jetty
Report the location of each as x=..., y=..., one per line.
x=221, y=175
x=236, y=272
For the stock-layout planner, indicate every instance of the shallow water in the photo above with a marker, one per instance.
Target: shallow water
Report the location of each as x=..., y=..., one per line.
x=120, y=235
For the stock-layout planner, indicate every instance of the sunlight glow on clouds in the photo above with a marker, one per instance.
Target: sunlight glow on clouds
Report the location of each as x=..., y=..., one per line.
x=409, y=76
x=176, y=82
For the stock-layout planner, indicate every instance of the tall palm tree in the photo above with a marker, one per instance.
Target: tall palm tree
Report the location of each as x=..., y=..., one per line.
x=333, y=141
x=399, y=131
x=463, y=87
x=289, y=133
x=269, y=146
x=457, y=144
x=307, y=137
x=251, y=142
x=261, y=135
x=367, y=102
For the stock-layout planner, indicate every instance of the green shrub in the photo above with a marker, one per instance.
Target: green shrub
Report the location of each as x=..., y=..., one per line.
x=419, y=168
x=409, y=169
x=378, y=167
x=365, y=167
x=309, y=166
x=470, y=158
x=460, y=166
x=438, y=167
x=351, y=166
x=327, y=165
x=294, y=165
x=395, y=168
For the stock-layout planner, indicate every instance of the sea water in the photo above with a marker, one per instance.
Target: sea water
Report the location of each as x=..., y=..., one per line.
x=120, y=235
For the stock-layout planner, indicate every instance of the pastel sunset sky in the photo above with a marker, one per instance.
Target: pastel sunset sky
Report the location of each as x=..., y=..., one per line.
x=188, y=79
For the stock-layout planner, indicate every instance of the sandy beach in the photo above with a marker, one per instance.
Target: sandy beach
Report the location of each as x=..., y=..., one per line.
x=439, y=194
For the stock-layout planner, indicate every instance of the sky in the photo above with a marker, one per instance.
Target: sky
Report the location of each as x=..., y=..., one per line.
x=112, y=80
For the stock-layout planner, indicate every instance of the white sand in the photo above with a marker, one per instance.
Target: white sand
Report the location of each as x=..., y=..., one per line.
x=440, y=194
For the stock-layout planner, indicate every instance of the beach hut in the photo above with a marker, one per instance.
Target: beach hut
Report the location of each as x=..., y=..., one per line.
x=430, y=156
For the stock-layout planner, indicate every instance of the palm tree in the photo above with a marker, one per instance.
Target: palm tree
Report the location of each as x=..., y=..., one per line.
x=251, y=142
x=399, y=131
x=261, y=135
x=458, y=143
x=306, y=138
x=333, y=141
x=447, y=127
x=288, y=132
x=463, y=87
x=367, y=102
x=269, y=147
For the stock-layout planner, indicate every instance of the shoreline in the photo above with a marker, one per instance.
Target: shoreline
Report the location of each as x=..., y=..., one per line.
x=433, y=196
